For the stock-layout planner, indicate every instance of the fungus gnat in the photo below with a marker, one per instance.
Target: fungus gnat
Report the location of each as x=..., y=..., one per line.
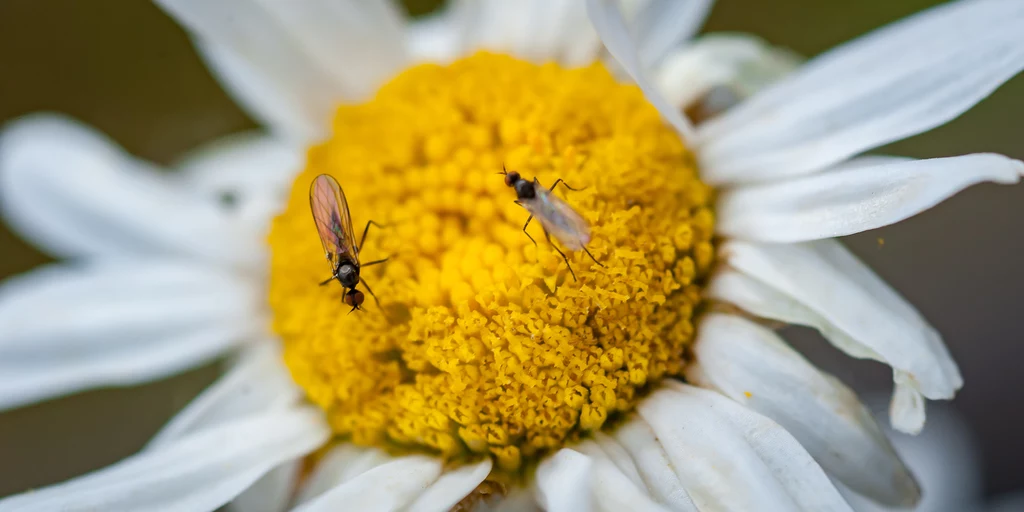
x=334, y=225
x=555, y=215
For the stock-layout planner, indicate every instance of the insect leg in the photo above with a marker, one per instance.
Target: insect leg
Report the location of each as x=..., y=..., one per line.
x=527, y=234
x=373, y=262
x=329, y=279
x=365, y=230
x=374, y=295
x=553, y=246
x=592, y=257
x=564, y=184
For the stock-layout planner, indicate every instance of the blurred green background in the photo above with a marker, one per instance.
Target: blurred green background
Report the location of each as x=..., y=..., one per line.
x=125, y=68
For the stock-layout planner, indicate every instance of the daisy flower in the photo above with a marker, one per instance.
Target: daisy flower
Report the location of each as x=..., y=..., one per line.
x=488, y=376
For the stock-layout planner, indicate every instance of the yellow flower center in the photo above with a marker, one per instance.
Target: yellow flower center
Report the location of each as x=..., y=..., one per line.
x=483, y=343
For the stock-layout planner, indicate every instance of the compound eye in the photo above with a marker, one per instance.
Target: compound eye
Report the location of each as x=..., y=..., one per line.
x=511, y=178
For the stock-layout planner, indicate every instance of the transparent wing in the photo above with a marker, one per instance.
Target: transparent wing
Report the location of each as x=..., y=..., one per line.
x=333, y=221
x=561, y=221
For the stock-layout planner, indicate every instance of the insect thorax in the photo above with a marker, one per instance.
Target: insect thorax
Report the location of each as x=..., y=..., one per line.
x=347, y=274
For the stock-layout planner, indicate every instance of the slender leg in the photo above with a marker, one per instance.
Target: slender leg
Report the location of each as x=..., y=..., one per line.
x=367, y=228
x=553, y=246
x=593, y=258
x=329, y=279
x=374, y=295
x=564, y=184
x=527, y=234
x=373, y=262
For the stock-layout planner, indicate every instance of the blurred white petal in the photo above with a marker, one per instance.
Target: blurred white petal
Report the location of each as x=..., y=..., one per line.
x=731, y=458
x=341, y=464
x=822, y=285
x=536, y=30
x=741, y=63
x=272, y=492
x=389, y=486
x=610, y=25
x=257, y=382
x=661, y=25
x=66, y=328
x=201, y=471
x=944, y=459
x=451, y=487
x=73, y=192
x=846, y=201
x=436, y=37
x=901, y=80
x=292, y=63
x=751, y=365
x=653, y=465
x=247, y=175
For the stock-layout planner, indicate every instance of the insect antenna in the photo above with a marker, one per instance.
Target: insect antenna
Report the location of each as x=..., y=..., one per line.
x=592, y=257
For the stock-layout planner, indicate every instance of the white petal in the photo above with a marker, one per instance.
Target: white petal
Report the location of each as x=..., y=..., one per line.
x=65, y=328
x=606, y=447
x=389, y=486
x=731, y=458
x=653, y=465
x=73, y=192
x=847, y=201
x=751, y=365
x=247, y=175
x=341, y=464
x=536, y=30
x=898, y=81
x=740, y=63
x=823, y=285
x=435, y=38
x=199, y=472
x=944, y=459
x=907, y=407
x=563, y=482
x=607, y=19
x=661, y=25
x=613, y=487
x=257, y=383
x=291, y=63
x=272, y=492
x=451, y=487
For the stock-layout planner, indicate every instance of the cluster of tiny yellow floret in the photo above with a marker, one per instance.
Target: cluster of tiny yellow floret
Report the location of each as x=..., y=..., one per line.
x=483, y=343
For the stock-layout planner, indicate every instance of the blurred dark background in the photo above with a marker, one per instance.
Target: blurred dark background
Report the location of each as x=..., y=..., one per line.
x=125, y=68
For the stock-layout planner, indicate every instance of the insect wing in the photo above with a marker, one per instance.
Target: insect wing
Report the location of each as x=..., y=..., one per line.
x=561, y=221
x=333, y=221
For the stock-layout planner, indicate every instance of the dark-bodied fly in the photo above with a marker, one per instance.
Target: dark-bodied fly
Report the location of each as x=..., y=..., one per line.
x=555, y=216
x=334, y=224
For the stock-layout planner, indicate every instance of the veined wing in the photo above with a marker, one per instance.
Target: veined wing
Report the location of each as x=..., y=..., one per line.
x=333, y=221
x=561, y=221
